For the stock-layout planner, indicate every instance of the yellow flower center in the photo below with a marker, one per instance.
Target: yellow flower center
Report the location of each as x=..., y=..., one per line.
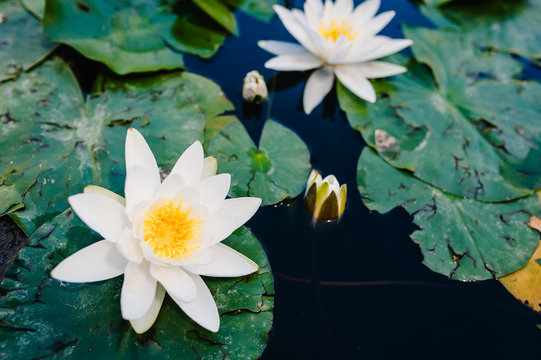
x=170, y=231
x=336, y=28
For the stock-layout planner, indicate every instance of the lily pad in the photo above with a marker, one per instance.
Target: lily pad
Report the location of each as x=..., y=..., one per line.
x=511, y=26
x=219, y=11
x=469, y=129
x=35, y=7
x=274, y=171
x=22, y=45
x=129, y=36
x=91, y=322
x=260, y=9
x=462, y=238
x=59, y=142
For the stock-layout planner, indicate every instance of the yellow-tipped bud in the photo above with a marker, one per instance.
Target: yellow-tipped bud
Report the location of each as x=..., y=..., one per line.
x=325, y=198
x=254, y=89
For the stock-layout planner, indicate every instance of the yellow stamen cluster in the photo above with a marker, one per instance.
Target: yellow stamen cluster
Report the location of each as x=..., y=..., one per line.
x=170, y=231
x=336, y=28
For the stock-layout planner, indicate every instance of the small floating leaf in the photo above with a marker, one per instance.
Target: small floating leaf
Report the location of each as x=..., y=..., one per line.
x=459, y=237
x=260, y=9
x=91, y=321
x=276, y=170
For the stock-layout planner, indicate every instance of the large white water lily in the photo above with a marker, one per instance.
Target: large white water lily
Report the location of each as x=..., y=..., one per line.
x=163, y=236
x=338, y=40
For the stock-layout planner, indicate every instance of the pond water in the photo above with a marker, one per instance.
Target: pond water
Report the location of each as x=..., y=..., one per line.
x=358, y=289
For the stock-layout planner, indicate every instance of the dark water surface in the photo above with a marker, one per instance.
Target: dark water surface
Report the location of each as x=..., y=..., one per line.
x=358, y=290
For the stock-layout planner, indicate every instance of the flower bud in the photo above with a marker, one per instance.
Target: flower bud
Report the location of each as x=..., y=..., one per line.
x=324, y=197
x=254, y=89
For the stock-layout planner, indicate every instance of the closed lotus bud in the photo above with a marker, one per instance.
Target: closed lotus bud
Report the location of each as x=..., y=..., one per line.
x=325, y=198
x=254, y=89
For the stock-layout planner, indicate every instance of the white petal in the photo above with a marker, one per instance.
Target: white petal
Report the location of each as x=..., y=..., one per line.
x=94, y=189
x=281, y=47
x=365, y=11
x=210, y=166
x=144, y=323
x=200, y=257
x=203, y=309
x=342, y=47
x=96, y=262
x=375, y=25
x=139, y=214
x=139, y=154
x=317, y=87
x=314, y=11
x=351, y=77
x=388, y=47
x=343, y=7
x=227, y=263
x=102, y=214
x=170, y=187
x=138, y=291
x=140, y=187
x=176, y=281
x=213, y=190
x=294, y=62
x=379, y=69
x=190, y=164
x=230, y=216
x=189, y=196
x=129, y=247
x=297, y=29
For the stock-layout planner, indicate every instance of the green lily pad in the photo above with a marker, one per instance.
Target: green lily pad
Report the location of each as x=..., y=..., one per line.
x=511, y=26
x=470, y=129
x=459, y=237
x=219, y=11
x=59, y=142
x=260, y=9
x=35, y=7
x=22, y=45
x=130, y=36
x=91, y=324
x=275, y=170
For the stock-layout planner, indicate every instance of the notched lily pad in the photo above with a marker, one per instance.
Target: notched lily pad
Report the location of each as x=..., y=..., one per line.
x=462, y=238
x=91, y=322
x=22, y=45
x=468, y=128
x=59, y=142
x=275, y=170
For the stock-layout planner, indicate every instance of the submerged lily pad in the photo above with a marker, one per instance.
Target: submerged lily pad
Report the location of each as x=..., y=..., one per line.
x=511, y=26
x=275, y=170
x=462, y=238
x=91, y=321
x=58, y=142
x=470, y=129
x=22, y=45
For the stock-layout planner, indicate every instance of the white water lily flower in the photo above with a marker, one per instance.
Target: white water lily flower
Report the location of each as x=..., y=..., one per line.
x=336, y=39
x=163, y=236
